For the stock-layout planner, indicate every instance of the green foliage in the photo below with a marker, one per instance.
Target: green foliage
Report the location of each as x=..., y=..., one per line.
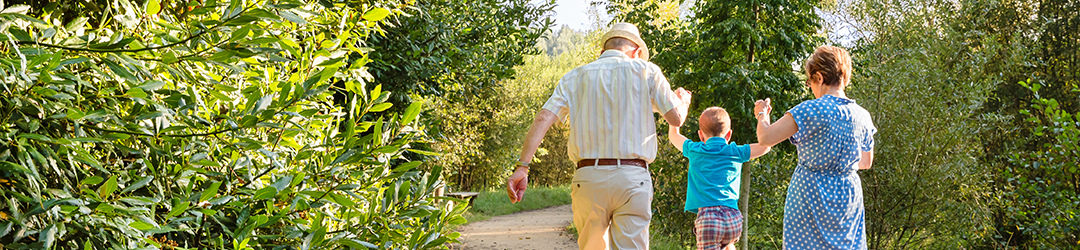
x=923, y=84
x=210, y=128
x=939, y=77
x=1045, y=51
x=769, y=178
x=461, y=64
x=555, y=44
x=1034, y=42
x=460, y=49
x=484, y=134
x=1048, y=174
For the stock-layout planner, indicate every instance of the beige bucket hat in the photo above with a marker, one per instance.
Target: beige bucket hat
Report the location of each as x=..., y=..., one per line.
x=630, y=32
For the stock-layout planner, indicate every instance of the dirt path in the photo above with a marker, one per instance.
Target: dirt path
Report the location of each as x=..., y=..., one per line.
x=536, y=229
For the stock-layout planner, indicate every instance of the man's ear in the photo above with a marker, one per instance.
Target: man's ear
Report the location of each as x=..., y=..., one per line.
x=701, y=136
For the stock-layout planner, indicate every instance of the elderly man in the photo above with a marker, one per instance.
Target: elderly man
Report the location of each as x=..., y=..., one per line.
x=608, y=104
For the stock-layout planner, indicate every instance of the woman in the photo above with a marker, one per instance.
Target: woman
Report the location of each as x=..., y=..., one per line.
x=834, y=137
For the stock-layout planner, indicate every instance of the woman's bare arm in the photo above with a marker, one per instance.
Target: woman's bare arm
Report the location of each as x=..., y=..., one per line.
x=866, y=159
x=771, y=134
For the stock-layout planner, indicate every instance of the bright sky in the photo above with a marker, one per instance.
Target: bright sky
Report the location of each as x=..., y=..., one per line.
x=571, y=12
x=574, y=13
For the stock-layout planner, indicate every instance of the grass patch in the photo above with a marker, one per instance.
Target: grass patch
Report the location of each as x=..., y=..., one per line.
x=656, y=241
x=666, y=242
x=494, y=202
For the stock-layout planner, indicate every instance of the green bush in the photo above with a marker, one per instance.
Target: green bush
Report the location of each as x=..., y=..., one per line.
x=207, y=124
x=483, y=136
x=1048, y=174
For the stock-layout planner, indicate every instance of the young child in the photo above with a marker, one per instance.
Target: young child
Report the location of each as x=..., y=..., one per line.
x=712, y=188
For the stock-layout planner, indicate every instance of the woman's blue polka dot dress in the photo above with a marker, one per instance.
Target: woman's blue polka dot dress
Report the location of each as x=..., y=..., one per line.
x=824, y=207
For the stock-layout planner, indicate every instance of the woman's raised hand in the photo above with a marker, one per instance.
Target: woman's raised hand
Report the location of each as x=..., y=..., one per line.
x=762, y=107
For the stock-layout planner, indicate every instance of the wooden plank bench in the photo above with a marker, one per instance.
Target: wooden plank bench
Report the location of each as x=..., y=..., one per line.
x=464, y=196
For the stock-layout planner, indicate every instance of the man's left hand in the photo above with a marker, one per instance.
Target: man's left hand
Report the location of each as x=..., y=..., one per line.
x=515, y=186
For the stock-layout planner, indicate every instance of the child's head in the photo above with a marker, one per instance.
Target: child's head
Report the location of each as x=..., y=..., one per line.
x=714, y=121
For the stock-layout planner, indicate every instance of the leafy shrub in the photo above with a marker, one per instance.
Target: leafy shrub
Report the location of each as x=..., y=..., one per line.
x=1048, y=174
x=211, y=128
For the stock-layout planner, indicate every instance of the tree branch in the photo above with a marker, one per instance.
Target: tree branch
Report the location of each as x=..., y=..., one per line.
x=92, y=127
x=88, y=49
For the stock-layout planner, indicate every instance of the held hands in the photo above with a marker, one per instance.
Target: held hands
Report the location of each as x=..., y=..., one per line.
x=762, y=108
x=515, y=186
x=683, y=95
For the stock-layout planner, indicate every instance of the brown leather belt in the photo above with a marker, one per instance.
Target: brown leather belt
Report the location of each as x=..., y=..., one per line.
x=611, y=162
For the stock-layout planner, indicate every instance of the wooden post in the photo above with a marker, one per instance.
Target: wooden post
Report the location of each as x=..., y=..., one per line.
x=744, y=189
x=744, y=206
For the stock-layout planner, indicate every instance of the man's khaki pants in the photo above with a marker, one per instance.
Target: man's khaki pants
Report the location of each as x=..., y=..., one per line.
x=612, y=207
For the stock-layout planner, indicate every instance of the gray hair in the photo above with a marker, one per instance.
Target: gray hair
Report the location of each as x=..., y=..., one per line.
x=619, y=43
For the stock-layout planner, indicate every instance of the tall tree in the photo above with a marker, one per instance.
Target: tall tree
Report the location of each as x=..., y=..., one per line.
x=437, y=51
x=455, y=54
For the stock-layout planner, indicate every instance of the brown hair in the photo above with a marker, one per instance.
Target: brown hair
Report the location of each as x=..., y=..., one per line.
x=832, y=62
x=714, y=121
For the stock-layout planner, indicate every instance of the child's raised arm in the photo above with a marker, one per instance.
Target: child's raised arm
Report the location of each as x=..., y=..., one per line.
x=678, y=139
x=674, y=136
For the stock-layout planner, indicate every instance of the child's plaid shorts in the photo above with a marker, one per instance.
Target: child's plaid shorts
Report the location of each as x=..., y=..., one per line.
x=717, y=227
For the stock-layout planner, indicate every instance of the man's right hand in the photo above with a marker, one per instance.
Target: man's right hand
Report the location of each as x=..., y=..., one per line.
x=684, y=108
x=683, y=95
x=515, y=186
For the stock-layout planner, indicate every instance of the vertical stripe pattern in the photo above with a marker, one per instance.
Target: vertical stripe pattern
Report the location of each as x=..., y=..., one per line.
x=609, y=105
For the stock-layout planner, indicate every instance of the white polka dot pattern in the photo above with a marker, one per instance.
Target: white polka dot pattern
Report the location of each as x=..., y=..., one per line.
x=824, y=207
